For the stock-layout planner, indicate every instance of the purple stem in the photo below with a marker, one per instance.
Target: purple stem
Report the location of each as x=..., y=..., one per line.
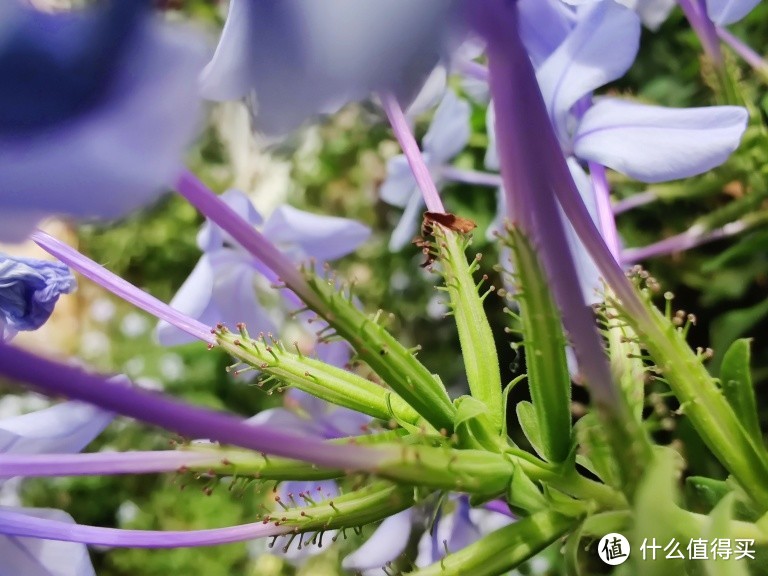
x=412, y=152
x=605, y=215
x=696, y=13
x=23, y=525
x=680, y=242
x=102, y=463
x=746, y=52
x=56, y=379
x=634, y=201
x=216, y=210
x=527, y=150
x=471, y=176
x=122, y=288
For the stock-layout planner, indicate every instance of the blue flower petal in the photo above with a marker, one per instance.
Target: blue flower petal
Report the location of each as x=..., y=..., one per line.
x=400, y=184
x=303, y=235
x=544, y=25
x=408, y=226
x=37, y=557
x=29, y=290
x=600, y=48
x=65, y=428
x=724, y=12
x=385, y=544
x=449, y=130
x=212, y=237
x=119, y=154
x=656, y=144
x=296, y=58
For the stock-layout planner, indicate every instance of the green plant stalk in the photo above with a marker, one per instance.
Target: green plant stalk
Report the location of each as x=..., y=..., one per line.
x=504, y=549
x=315, y=377
x=548, y=378
x=394, y=364
x=703, y=402
x=478, y=347
x=367, y=504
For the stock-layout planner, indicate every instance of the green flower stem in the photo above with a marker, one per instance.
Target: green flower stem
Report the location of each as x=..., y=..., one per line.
x=504, y=549
x=328, y=382
x=394, y=363
x=704, y=403
x=368, y=504
x=478, y=347
x=548, y=378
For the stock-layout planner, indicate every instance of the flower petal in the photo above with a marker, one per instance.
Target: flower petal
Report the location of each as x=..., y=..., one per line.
x=117, y=156
x=600, y=48
x=408, y=226
x=211, y=236
x=301, y=57
x=384, y=545
x=305, y=235
x=655, y=144
x=400, y=184
x=195, y=299
x=449, y=130
x=724, y=12
x=37, y=557
x=65, y=428
x=544, y=25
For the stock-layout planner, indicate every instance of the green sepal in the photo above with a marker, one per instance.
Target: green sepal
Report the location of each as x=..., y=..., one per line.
x=478, y=347
x=474, y=427
x=526, y=416
x=719, y=526
x=524, y=496
x=391, y=361
x=736, y=382
x=548, y=377
x=504, y=549
x=597, y=454
x=703, y=494
x=370, y=503
x=315, y=377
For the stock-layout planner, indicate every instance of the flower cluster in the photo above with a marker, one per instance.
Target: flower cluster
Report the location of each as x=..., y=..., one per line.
x=368, y=434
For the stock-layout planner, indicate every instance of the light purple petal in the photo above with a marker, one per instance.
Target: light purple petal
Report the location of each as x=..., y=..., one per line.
x=301, y=57
x=304, y=235
x=21, y=556
x=724, y=12
x=600, y=48
x=408, y=226
x=64, y=428
x=653, y=13
x=235, y=292
x=655, y=144
x=283, y=419
x=400, y=185
x=384, y=545
x=430, y=94
x=116, y=157
x=195, y=299
x=491, y=160
x=211, y=236
x=449, y=131
x=544, y=25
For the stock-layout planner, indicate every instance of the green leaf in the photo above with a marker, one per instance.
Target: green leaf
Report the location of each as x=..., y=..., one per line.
x=526, y=415
x=597, y=450
x=720, y=528
x=736, y=382
x=504, y=549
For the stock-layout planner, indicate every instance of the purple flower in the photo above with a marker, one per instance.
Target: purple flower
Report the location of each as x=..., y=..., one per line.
x=296, y=58
x=29, y=290
x=227, y=284
x=724, y=12
x=64, y=428
x=109, y=136
x=454, y=530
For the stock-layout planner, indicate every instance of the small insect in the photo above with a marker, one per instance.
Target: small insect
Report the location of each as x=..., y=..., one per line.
x=446, y=219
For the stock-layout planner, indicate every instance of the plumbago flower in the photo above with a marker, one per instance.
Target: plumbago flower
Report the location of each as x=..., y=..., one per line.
x=109, y=137
x=29, y=290
x=223, y=285
x=436, y=445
